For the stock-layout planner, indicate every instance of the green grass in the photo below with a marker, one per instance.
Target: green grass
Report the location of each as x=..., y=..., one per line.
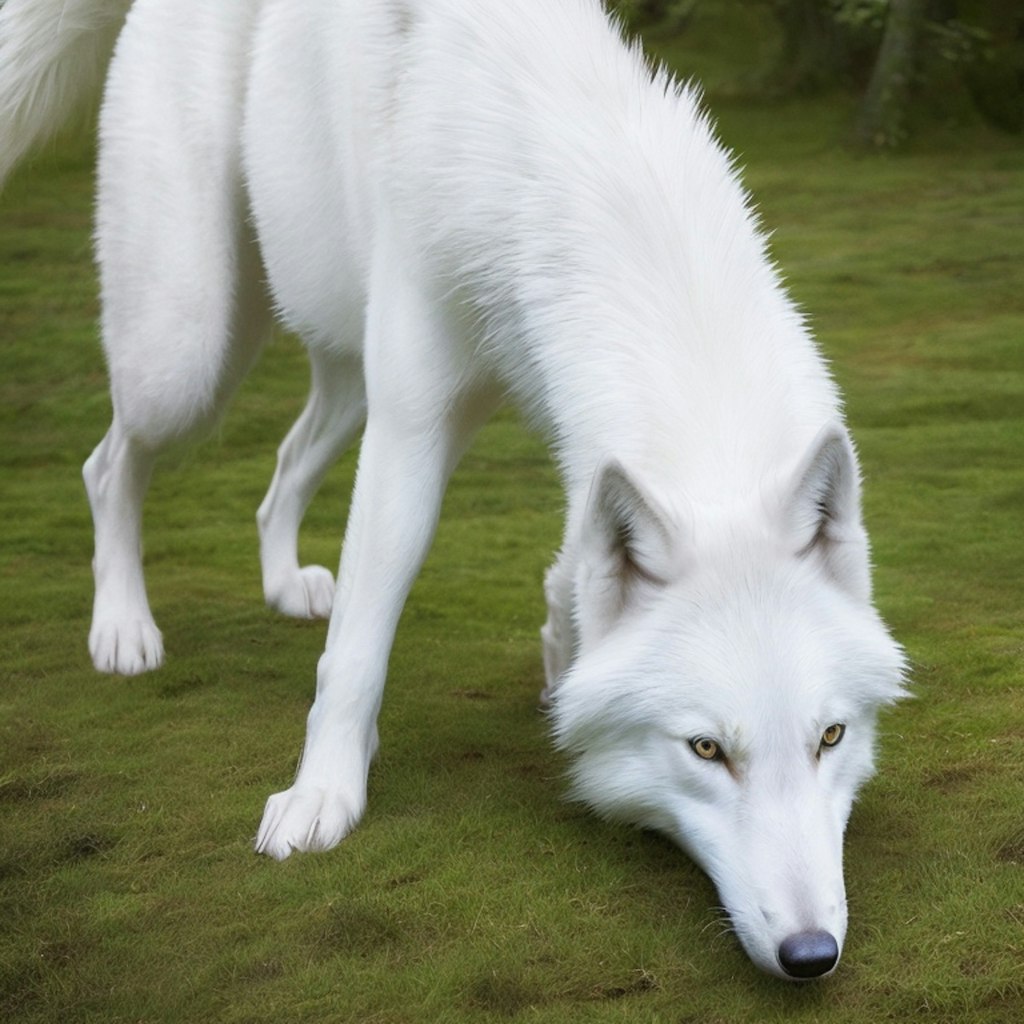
x=472, y=892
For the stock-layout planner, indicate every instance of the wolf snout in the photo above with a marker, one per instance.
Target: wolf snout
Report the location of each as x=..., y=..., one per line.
x=809, y=954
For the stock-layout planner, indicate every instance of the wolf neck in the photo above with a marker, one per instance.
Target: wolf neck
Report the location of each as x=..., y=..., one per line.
x=622, y=280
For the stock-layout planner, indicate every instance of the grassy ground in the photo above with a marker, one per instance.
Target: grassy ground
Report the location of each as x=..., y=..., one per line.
x=472, y=892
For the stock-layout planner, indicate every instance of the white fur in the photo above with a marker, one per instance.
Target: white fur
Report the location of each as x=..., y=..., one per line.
x=454, y=202
x=52, y=57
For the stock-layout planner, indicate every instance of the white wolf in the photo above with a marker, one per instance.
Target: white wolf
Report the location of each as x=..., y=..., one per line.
x=454, y=203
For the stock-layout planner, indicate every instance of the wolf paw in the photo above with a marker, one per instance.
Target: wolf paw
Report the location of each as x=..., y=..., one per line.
x=306, y=818
x=126, y=647
x=306, y=593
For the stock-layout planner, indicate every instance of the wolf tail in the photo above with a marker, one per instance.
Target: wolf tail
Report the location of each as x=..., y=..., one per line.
x=53, y=55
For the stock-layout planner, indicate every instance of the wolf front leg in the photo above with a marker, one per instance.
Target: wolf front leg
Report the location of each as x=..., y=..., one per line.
x=421, y=416
x=557, y=634
x=400, y=483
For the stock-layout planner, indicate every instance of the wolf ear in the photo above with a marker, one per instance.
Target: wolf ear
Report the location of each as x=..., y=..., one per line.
x=628, y=545
x=627, y=530
x=822, y=512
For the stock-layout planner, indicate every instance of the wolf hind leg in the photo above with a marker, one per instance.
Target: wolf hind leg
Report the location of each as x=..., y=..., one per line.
x=123, y=637
x=184, y=306
x=334, y=413
x=171, y=377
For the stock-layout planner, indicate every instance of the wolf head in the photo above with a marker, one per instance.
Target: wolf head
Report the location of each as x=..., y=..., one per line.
x=725, y=690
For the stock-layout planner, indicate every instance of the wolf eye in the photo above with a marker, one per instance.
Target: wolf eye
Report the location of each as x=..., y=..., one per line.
x=832, y=735
x=706, y=748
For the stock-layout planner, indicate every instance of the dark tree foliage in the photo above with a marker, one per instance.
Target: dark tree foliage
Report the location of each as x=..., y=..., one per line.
x=818, y=48
x=996, y=82
x=896, y=54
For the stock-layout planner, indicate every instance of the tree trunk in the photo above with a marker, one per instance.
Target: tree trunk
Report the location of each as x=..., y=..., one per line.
x=883, y=112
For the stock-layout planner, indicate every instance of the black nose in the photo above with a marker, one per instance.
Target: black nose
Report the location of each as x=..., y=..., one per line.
x=808, y=954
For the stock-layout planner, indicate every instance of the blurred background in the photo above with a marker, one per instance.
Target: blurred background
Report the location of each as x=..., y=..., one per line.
x=906, y=62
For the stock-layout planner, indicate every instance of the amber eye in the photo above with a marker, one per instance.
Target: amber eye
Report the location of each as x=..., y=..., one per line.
x=832, y=735
x=706, y=748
